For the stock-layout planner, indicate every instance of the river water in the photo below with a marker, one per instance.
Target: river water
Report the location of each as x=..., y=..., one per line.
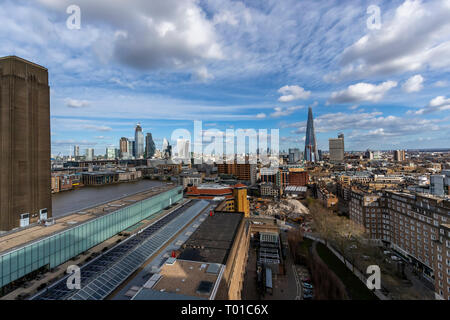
x=67, y=202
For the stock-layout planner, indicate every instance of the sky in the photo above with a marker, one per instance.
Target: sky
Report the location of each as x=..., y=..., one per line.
x=377, y=71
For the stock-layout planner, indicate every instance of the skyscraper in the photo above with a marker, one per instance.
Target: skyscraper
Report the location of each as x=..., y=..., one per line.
x=149, y=146
x=310, y=153
x=336, y=147
x=123, y=145
x=110, y=153
x=89, y=154
x=139, y=142
x=166, y=149
x=294, y=155
x=25, y=180
x=183, y=148
x=399, y=155
x=76, y=151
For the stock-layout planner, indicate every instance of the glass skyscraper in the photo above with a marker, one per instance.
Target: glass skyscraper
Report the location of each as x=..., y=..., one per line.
x=310, y=153
x=139, y=142
x=149, y=146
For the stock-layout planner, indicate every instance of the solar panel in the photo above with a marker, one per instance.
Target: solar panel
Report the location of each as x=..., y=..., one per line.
x=104, y=273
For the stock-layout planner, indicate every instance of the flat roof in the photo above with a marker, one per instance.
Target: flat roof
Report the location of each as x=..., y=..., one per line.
x=184, y=277
x=23, y=60
x=26, y=235
x=212, y=240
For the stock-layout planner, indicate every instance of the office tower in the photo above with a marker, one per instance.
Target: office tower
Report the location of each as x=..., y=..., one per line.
x=25, y=179
x=399, y=155
x=110, y=153
x=131, y=148
x=336, y=147
x=139, y=142
x=320, y=155
x=166, y=149
x=149, y=146
x=89, y=154
x=123, y=145
x=294, y=155
x=76, y=151
x=310, y=141
x=183, y=148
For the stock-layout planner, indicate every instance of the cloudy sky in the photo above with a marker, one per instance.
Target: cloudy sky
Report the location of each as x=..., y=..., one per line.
x=384, y=83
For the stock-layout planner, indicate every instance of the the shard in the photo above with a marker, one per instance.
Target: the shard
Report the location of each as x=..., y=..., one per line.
x=310, y=153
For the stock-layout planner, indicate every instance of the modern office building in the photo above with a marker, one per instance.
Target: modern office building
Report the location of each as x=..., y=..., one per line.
x=76, y=151
x=110, y=153
x=131, y=148
x=294, y=155
x=336, y=146
x=149, y=146
x=183, y=148
x=123, y=145
x=89, y=155
x=310, y=153
x=25, y=179
x=139, y=142
x=166, y=149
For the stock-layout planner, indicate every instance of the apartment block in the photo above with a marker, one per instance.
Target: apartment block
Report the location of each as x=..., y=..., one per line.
x=243, y=171
x=414, y=225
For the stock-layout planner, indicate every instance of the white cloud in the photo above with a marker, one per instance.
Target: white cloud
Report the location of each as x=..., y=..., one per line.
x=437, y=104
x=73, y=103
x=364, y=123
x=290, y=93
x=441, y=84
x=150, y=34
x=415, y=36
x=413, y=84
x=96, y=128
x=261, y=115
x=362, y=92
x=203, y=75
x=281, y=112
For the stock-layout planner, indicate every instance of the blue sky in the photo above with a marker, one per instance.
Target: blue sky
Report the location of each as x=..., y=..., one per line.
x=240, y=64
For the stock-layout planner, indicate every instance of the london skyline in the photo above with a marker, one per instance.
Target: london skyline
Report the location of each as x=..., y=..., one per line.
x=380, y=95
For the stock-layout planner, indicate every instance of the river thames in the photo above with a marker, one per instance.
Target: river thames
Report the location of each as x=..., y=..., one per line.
x=67, y=202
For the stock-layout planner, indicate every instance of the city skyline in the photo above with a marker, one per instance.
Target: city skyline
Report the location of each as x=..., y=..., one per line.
x=381, y=96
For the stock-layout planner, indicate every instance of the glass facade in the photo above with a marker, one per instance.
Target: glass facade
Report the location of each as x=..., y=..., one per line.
x=58, y=248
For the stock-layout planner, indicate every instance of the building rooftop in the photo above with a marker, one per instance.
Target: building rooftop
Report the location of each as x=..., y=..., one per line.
x=22, y=236
x=182, y=279
x=213, y=239
x=23, y=60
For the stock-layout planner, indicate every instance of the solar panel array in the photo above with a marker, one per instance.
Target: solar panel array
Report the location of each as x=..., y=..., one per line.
x=104, y=274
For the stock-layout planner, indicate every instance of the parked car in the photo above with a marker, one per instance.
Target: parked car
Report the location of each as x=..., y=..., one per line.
x=307, y=291
x=307, y=296
x=307, y=285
